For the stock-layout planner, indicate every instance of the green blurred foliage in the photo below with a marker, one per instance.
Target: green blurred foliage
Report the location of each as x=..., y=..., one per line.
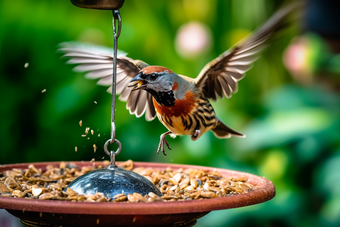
x=292, y=131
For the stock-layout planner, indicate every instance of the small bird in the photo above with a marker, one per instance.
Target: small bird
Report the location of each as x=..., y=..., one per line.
x=181, y=103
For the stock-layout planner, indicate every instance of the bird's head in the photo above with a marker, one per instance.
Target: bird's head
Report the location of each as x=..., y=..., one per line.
x=155, y=78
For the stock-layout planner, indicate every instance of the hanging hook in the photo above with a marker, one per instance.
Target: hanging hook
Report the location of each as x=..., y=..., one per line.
x=116, y=32
x=113, y=154
x=116, y=16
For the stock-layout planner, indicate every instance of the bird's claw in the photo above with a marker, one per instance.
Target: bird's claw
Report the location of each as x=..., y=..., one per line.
x=195, y=135
x=161, y=146
x=162, y=142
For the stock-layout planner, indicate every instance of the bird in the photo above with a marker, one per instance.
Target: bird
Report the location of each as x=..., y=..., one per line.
x=181, y=103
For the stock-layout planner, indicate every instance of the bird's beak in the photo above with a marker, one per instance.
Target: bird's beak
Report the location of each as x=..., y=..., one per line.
x=137, y=83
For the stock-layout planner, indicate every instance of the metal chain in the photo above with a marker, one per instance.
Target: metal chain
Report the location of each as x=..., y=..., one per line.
x=116, y=33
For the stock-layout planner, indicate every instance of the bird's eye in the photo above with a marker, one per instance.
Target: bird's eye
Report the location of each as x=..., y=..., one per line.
x=154, y=76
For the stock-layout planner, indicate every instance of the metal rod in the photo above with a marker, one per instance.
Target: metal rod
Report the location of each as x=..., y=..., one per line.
x=116, y=33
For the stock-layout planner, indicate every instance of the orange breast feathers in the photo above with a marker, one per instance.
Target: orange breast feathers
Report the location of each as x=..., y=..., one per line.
x=181, y=107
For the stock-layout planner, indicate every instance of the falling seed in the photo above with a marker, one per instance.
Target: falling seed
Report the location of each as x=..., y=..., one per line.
x=94, y=148
x=98, y=135
x=76, y=149
x=87, y=130
x=80, y=123
x=97, y=221
x=43, y=91
x=95, y=102
x=83, y=135
x=92, y=160
x=26, y=65
x=103, y=157
x=92, y=132
x=88, y=138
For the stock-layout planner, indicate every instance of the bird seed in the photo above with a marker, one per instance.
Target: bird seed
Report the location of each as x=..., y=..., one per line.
x=175, y=185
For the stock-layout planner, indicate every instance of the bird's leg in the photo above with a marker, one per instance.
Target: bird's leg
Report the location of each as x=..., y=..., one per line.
x=197, y=132
x=162, y=141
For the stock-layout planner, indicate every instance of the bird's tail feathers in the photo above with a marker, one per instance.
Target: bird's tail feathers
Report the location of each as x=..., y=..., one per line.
x=223, y=131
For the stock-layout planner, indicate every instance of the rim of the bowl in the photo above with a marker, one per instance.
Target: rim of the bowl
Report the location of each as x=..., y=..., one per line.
x=264, y=192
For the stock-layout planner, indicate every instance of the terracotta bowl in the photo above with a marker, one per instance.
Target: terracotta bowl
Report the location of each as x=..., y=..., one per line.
x=178, y=213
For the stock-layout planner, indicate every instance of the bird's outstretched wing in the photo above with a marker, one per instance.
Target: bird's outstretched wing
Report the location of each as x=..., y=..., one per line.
x=98, y=62
x=221, y=75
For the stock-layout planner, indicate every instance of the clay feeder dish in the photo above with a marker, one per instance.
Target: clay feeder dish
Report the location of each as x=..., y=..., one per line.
x=35, y=212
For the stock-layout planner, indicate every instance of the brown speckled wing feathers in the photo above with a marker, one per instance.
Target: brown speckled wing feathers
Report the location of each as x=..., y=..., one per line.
x=220, y=76
x=98, y=64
